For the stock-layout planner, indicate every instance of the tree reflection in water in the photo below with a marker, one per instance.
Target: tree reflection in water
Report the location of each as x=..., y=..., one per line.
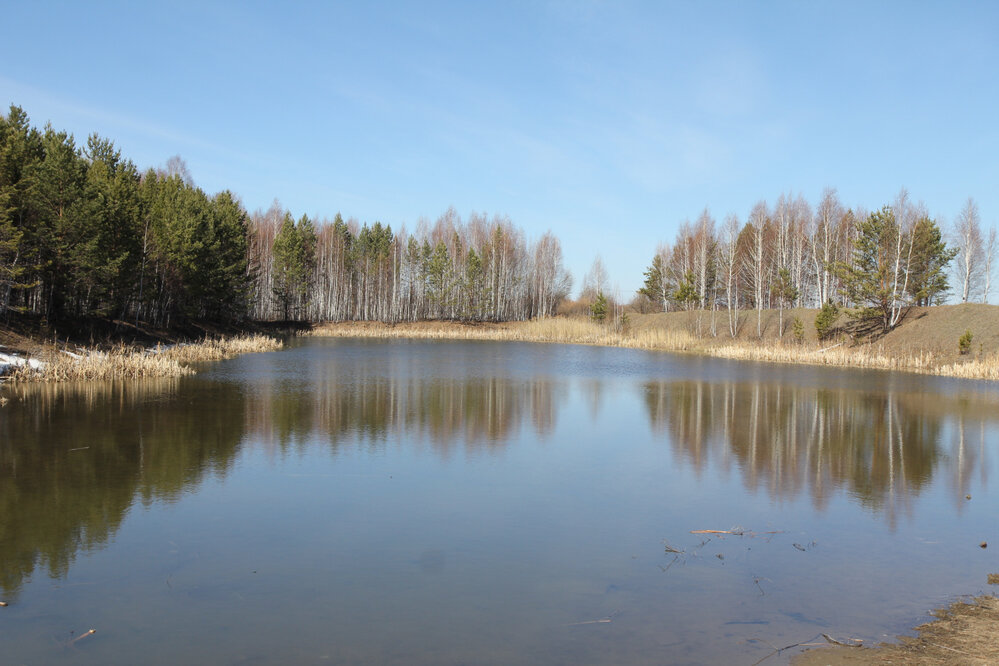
x=882, y=448
x=75, y=458
x=476, y=413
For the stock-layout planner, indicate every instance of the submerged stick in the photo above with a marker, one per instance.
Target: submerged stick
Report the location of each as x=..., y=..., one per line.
x=832, y=640
x=603, y=620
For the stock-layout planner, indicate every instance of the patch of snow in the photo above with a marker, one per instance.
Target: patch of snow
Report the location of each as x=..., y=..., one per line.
x=8, y=361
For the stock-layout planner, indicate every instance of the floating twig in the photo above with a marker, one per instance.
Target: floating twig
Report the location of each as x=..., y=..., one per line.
x=81, y=448
x=737, y=532
x=83, y=635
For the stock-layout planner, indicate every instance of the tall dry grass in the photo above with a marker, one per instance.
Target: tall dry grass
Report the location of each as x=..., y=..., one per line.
x=123, y=362
x=984, y=368
x=118, y=363
x=556, y=329
x=582, y=331
x=218, y=349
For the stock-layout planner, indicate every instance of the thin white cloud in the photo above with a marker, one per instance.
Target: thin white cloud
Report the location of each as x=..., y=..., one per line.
x=43, y=106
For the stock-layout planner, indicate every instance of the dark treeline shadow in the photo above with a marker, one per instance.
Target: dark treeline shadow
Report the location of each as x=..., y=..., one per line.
x=476, y=413
x=883, y=448
x=75, y=458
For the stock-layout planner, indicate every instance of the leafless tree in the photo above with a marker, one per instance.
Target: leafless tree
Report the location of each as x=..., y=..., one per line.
x=703, y=253
x=987, y=269
x=825, y=244
x=730, y=264
x=596, y=280
x=967, y=237
x=757, y=263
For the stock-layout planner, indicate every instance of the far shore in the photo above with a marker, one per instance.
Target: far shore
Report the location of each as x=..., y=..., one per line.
x=926, y=342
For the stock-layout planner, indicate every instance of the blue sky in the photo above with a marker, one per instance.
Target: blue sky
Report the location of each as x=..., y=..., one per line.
x=607, y=123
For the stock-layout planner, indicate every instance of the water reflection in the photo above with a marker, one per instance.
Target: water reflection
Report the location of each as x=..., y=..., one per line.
x=883, y=448
x=473, y=413
x=74, y=458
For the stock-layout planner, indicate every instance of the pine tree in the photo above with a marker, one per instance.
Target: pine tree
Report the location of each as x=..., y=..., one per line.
x=930, y=258
x=657, y=287
x=598, y=311
x=872, y=278
x=292, y=263
x=20, y=150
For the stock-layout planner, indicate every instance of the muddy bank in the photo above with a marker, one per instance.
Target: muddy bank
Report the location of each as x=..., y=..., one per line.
x=965, y=633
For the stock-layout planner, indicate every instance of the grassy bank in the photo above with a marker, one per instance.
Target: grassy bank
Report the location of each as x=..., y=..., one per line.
x=926, y=342
x=55, y=363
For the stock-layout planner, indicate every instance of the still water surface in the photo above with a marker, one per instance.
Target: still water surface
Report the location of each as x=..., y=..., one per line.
x=403, y=502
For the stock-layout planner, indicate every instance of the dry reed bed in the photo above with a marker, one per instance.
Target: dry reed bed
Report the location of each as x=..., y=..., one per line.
x=579, y=331
x=219, y=348
x=560, y=330
x=122, y=362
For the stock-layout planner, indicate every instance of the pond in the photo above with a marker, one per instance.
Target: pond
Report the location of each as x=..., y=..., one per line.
x=412, y=502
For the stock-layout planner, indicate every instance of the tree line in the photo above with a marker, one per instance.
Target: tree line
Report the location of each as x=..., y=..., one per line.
x=480, y=269
x=84, y=233
x=794, y=255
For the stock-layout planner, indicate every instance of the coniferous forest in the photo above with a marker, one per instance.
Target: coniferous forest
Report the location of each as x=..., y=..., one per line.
x=84, y=233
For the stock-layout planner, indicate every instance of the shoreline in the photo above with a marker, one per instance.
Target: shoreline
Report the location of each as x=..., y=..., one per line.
x=926, y=342
x=645, y=334
x=60, y=363
x=963, y=633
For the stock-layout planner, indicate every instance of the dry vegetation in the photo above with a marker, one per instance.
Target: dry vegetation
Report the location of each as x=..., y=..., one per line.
x=219, y=348
x=926, y=342
x=124, y=362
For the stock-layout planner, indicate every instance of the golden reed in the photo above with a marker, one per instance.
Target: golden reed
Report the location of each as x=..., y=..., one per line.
x=122, y=362
x=583, y=331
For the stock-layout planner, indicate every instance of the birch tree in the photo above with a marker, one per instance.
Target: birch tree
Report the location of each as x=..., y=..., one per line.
x=730, y=264
x=988, y=267
x=757, y=261
x=967, y=234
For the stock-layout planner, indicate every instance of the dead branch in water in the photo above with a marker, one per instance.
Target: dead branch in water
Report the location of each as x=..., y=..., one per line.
x=858, y=643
